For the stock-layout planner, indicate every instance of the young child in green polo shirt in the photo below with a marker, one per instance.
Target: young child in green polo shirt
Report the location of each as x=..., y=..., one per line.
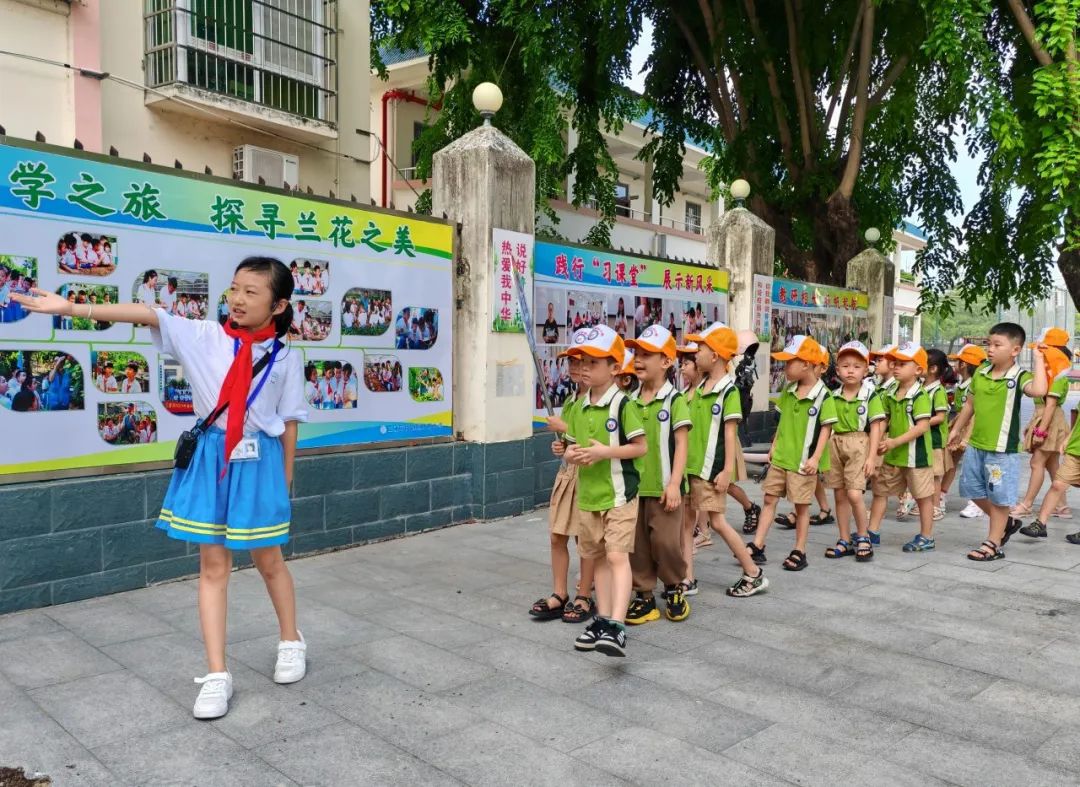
x=907, y=448
x=853, y=449
x=968, y=360
x=800, y=447
x=990, y=475
x=936, y=365
x=563, y=516
x=1046, y=432
x=716, y=410
x=658, y=547
x=606, y=438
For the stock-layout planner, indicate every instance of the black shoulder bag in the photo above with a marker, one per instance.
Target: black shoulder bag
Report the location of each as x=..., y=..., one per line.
x=185, y=444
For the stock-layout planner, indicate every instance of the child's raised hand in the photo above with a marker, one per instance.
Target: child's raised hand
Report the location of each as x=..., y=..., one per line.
x=44, y=302
x=556, y=424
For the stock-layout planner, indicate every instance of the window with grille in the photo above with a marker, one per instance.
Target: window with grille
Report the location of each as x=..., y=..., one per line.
x=278, y=53
x=693, y=217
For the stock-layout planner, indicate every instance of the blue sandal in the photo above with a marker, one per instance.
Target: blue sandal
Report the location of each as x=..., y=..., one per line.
x=919, y=544
x=842, y=549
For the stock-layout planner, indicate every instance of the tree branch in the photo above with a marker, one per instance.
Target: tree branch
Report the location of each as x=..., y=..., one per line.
x=816, y=130
x=858, y=123
x=1028, y=30
x=722, y=106
x=801, y=99
x=783, y=129
x=893, y=74
x=852, y=40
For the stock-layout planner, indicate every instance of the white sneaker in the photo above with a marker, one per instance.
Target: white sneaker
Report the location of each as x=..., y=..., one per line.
x=213, y=699
x=971, y=511
x=291, y=661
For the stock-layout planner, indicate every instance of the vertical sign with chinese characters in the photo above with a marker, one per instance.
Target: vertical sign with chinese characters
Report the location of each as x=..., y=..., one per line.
x=762, y=306
x=372, y=306
x=513, y=253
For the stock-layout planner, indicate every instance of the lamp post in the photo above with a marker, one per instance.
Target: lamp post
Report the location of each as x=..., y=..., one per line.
x=872, y=235
x=740, y=190
x=487, y=98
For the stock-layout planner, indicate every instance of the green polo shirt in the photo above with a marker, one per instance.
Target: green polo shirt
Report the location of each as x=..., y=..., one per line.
x=799, y=430
x=1059, y=389
x=963, y=391
x=663, y=416
x=856, y=415
x=889, y=386
x=939, y=403
x=997, y=409
x=710, y=409
x=1073, y=446
x=904, y=413
x=613, y=420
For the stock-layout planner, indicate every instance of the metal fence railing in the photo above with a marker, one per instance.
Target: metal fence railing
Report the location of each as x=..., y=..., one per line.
x=280, y=54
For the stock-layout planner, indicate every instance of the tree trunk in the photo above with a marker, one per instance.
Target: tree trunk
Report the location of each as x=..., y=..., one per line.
x=1069, y=264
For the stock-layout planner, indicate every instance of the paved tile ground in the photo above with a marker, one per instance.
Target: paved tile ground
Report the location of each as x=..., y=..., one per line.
x=424, y=669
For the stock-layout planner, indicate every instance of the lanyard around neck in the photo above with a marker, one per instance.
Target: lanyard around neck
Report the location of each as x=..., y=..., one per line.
x=266, y=374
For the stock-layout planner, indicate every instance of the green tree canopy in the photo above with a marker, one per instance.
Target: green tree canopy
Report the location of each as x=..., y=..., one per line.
x=842, y=114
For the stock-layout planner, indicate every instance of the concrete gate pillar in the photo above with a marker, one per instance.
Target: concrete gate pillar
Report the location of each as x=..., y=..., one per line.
x=484, y=181
x=873, y=273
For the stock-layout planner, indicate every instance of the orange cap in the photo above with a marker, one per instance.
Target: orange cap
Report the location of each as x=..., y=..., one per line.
x=1055, y=337
x=579, y=337
x=908, y=351
x=1057, y=363
x=690, y=348
x=628, y=363
x=719, y=338
x=601, y=342
x=802, y=347
x=655, y=339
x=970, y=353
x=884, y=352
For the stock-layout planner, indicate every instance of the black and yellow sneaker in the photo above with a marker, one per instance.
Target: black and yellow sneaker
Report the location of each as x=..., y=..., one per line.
x=642, y=609
x=678, y=608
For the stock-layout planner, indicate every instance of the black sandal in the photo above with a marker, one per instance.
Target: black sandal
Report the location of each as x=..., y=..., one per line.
x=981, y=555
x=577, y=612
x=842, y=549
x=1072, y=538
x=1012, y=525
x=823, y=518
x=864, y=549
x=757, y=554
x=795, y=561
x=787, y=521
x=750, y=519
x=541, y=610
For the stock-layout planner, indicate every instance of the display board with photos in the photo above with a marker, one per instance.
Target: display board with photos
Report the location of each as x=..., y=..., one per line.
x=372, y=301
x=784, y=308
x=579, y=286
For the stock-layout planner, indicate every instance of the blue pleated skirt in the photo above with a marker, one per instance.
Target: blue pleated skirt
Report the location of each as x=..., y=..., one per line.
x=248, y=508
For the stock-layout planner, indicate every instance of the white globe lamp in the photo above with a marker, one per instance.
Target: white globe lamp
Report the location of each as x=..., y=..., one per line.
x=740, y=190
x=872, y=235
x=487, y=98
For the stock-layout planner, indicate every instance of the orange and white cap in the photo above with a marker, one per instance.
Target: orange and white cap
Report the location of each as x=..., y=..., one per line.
x=970, y=353
x=824, y=357
x=909, y=351
x=579, y=337
x=856, y=347
x=1058, y=364
x=601, y=342
x=655, y=339
x=884, y=352
x=802, y=347
x=628, y=363
x=1055, y=337
x=719, y=338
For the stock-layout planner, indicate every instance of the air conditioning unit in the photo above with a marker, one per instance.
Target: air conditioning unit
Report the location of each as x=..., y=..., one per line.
x=274, y=167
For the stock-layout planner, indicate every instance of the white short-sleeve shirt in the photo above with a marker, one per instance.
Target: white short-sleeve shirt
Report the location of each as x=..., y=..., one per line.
x=206, y=352
x=167, y=299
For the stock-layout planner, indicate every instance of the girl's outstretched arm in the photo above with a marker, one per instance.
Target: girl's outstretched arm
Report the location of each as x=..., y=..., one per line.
x=45, y=302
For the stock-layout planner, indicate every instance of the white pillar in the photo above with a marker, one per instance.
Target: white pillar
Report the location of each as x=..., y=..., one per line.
x=744, y=244
x=874, y=274
x=484, y=181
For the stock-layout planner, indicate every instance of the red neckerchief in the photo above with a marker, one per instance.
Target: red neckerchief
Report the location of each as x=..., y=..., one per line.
x=237, y=383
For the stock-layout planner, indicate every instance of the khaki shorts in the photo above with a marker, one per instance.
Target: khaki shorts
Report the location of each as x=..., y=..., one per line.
x=1069, y=471
x=613, y=530
x=943, y=462
x=892, y=481
x=847, y=464
x=740, y=465
x=704, y=497
x=562, y=515
x=796, y=487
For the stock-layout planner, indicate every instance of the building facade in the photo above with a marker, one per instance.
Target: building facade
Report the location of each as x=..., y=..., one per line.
x=270, y=90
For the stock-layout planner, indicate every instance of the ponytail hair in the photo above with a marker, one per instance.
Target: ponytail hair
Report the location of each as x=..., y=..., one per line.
x=281, y=287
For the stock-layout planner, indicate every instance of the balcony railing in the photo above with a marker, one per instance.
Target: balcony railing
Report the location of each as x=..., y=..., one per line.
x=279, y=54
